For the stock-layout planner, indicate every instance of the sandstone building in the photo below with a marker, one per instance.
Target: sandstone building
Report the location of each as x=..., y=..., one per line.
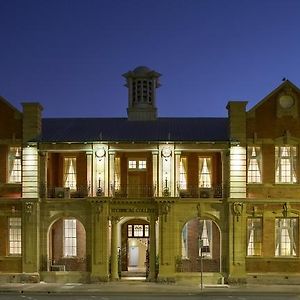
x=97, y=199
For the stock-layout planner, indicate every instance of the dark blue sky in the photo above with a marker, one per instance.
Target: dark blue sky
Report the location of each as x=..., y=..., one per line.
x=69, y=55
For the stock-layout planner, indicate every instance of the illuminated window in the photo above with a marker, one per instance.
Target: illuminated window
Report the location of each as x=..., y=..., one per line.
x=285, y=164
x=137, y=165
x=201, y=244
x=183, y=173
x=15, y=236
x=254, y=236
x=254, y=165
x=286, y=236
x=14, y=165
x=70, y=172
x=142, y=164
x=129, y=230
x=132, y=164
x=70, y=238
x=138, y=230
x=205, y=172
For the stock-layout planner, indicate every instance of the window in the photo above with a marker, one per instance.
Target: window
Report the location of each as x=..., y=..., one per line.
x=254, y=236
x=286, y=236
x=14, y=165
x=138, y=230
x=70, y=172
x=196, y=238
x=142, y=164
x=137, y=165
x=183, y=173
x=70, y=238
x=285, y=164
x=132, y=164
x=205, y=172
x=15, y=236
x=254, y=165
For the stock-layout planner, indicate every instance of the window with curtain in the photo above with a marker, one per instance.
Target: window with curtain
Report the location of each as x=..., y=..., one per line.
x=70, y=238
x=183, y=173
x=285, y=164
x=254, y=165
x=286, y=235
x=205, y=172
x=70, y=180
x=254, y=236
x=15, y=236
x=190, y=242
x=14, y=165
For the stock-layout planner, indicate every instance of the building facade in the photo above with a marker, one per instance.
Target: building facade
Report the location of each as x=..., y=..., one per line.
x=97, y=199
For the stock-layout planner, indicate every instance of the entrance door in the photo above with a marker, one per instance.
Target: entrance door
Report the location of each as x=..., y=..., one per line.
x=133, y=256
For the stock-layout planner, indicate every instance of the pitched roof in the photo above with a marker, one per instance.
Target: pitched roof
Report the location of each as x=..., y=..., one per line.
x=120, y=129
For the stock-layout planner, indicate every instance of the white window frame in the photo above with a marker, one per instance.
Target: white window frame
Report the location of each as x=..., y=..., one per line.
x=285, y=164
x=205, y=172
x=254, y=165
x=70, y=237
x=70, y=173
x=15, y=236
x=254, y=236
x=183, y=173
x=286, y=236
x=14, y=165
x=135, y=164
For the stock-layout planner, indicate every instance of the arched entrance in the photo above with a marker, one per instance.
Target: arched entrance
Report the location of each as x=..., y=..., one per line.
x=200, y=237
x=67, y=245
x=135, y=239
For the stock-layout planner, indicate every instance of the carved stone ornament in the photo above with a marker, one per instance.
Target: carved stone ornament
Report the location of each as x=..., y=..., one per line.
x=28, y=208
x=237, y=209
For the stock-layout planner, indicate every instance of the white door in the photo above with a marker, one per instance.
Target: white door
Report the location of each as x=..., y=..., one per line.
x=133, y=256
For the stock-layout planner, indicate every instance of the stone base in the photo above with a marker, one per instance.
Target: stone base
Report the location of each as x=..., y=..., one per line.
x=65, y=277
x=274, y=278
x=19, y=277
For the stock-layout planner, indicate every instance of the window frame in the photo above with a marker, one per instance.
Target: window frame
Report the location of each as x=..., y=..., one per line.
x=69, y=249
x=256, y=162
x=70, y=178
x=257, y=231
x=207, y=163
x=14, y=160
x=280, y=246
x=281, y=169
x=17, y=234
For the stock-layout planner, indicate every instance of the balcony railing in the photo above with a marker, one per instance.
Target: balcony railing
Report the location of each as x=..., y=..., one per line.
x=63, y=192
x=133, y=191
x=217, y=191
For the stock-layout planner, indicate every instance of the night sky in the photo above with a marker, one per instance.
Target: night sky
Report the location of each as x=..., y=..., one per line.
x=69, y=55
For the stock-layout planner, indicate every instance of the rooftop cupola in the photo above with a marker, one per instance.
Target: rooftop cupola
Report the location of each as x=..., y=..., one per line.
x=142, y=84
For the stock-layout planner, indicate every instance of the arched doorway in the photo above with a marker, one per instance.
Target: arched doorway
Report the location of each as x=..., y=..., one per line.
x=67, y=245
x=135, y=234
x=200, y=237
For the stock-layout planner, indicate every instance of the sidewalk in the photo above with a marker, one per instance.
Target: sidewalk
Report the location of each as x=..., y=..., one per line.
x=127, y=287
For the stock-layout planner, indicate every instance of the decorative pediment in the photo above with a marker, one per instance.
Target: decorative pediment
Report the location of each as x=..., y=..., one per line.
x=285, y=99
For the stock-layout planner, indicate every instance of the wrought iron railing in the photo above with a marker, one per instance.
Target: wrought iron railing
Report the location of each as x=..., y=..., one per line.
x=63, y=192
x=133, y=191
x=217, y=191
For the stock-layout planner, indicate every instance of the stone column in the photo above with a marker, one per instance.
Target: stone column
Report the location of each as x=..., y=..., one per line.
x=30, y=239
x=89, y=175
x=114, y=248
x=237, y=245
x=152, y=275
x=43, y=174
x=155, y=173
x=177, y=172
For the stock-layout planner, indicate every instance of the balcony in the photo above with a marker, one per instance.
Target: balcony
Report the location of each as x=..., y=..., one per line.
x=133, y=191
x=63, y=192
x=217, y=191
x=10, y=190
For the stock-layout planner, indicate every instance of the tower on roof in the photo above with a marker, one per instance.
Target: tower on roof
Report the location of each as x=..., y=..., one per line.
x=142, y=84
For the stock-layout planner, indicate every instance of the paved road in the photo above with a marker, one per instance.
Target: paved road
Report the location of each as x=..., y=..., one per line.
x=129, y=296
